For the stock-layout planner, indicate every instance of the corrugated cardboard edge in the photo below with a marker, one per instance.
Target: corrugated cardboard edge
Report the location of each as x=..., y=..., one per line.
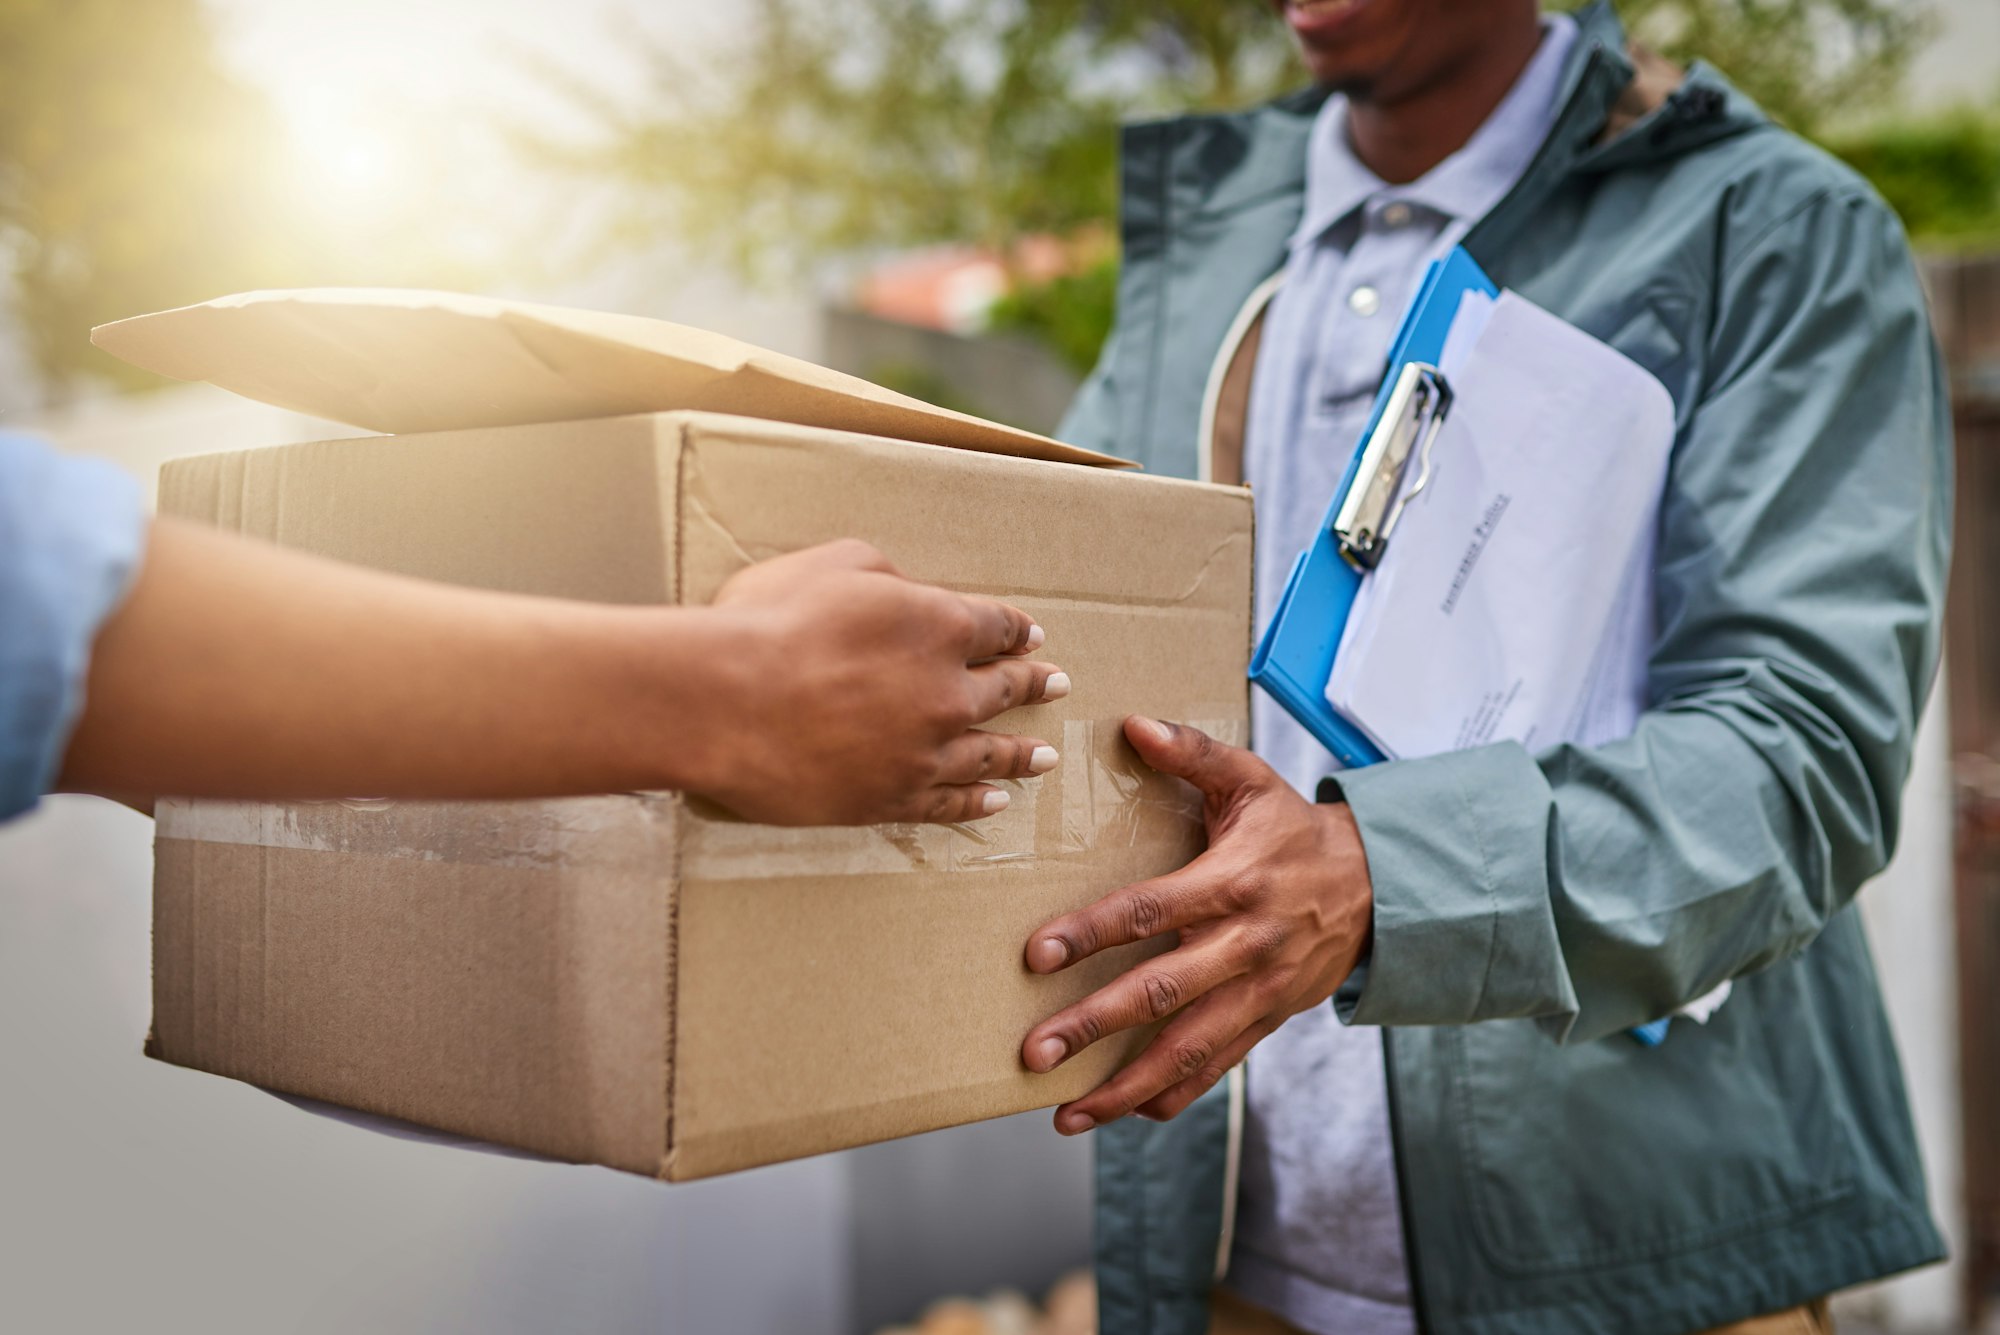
x=673, y=485
x=670, y=994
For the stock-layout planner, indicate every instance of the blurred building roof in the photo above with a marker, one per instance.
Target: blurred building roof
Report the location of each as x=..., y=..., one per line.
x=953, y=288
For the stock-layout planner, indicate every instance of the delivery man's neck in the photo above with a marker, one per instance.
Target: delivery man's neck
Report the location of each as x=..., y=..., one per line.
x=1403, y=135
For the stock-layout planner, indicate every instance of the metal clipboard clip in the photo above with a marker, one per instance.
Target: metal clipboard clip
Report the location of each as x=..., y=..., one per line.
x=1382, y=487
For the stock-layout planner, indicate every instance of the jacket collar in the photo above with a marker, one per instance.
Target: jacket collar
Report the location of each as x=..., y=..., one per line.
x=1468, y=182
x=1620, y=108
x=1615, y=113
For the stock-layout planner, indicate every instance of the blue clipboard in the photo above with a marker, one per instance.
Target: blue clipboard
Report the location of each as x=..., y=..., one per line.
x=1294, y=659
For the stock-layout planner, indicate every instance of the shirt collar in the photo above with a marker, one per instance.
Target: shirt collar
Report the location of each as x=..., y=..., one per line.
x=1465, y=185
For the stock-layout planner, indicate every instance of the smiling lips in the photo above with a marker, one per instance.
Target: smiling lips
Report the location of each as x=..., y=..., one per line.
x=1317, y=18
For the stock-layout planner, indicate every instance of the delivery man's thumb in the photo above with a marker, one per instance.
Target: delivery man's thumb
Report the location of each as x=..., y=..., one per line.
x=1191, y=754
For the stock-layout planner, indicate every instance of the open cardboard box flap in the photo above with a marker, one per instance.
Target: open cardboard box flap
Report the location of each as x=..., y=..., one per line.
x=400, y=361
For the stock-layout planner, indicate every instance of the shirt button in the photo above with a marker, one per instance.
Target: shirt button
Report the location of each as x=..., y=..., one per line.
x=1364, y=301
x=1396, y=215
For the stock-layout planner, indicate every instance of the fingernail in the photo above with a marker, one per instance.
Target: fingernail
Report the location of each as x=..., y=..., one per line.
x=1071, y=1124
x=1056, y=687
x=1051, y=952
x=1036, y=637
x=993, y=802
x=1049, y=1054
x=1042, y=759
x=1153, y=727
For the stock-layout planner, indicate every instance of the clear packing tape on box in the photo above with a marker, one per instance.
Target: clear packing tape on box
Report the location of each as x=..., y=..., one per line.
x=1103, y=790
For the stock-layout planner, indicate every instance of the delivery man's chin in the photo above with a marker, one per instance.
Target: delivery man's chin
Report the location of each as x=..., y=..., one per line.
x=1348, y=45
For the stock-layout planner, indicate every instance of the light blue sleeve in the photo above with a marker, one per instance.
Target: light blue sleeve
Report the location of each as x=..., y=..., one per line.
x=71, y=533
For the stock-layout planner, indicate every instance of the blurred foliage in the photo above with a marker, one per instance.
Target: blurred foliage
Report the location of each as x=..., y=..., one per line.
x=122, y=186
x=1070, y=314
x=840, y=128
x=136, y=174
x=1941, y=173
x=1809, y=63
x=835, y=127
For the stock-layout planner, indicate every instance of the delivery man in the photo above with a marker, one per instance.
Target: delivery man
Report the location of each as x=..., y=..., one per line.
x=153, y=657
x=1445, y=1125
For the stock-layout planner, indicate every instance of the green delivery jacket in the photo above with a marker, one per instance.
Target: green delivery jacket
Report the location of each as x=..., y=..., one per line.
x=1531, y=908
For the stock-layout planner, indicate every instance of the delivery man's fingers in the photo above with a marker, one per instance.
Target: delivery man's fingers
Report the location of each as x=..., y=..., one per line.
x=992, y=755
x=1193, y=894
x=1148, y=993
x=1197, y=1047
x=995, y=629
x=1216, y=768
x=1173, y=1101
x=1006, y=683
x=954, y=804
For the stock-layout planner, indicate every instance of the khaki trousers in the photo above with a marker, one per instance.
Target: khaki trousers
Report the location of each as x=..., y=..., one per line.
x=1230, y=1315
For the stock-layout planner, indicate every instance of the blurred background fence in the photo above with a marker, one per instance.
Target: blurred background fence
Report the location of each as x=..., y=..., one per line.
x=1966, y=305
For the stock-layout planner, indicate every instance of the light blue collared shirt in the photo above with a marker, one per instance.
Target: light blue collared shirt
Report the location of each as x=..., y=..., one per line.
x=1319, y=1229
x=71, y=533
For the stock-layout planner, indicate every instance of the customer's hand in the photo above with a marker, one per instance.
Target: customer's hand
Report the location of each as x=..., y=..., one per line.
x=1272, y=919
x=821, y=687
x=854, y=693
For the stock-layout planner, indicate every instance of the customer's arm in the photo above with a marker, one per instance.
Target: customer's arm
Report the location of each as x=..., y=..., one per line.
x=1799, y=584
x=821, y=687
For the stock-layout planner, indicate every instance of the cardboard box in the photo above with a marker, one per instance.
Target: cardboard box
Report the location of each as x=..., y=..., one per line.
x=639, y=980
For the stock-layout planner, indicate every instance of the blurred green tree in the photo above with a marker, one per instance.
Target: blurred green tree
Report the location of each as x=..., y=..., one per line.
x=1809, y=63
x=835, y=128
x=133, y=172
x=832, y=127
x=1940, y=172
x=1069, y=314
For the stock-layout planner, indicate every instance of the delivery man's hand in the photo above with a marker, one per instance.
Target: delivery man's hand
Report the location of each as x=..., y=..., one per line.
x=857, y=693
x=1272, y=919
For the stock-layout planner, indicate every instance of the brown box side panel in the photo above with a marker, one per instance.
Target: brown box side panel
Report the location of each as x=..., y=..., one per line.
x=498, y=970
x=840, y=987
x=887, y=1006
x=494, y=970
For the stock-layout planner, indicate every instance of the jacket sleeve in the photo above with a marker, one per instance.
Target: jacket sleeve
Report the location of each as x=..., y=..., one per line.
x=71, y=531
x=1802, y=553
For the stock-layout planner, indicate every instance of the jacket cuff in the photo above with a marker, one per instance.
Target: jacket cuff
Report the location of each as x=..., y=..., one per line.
x=1457, y=849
